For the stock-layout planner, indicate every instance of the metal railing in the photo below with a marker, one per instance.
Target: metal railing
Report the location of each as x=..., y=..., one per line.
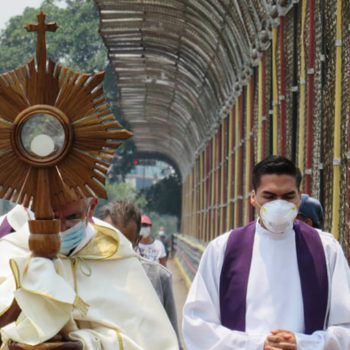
x=188, y=252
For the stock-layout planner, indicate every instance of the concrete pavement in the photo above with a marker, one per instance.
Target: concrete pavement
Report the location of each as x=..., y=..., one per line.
x=180, y=293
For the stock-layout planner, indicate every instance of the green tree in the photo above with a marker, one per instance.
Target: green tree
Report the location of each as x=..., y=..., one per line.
x=169, y=222
x=164, y=197
x=125, y=154
x=77, y=45
x=122, y=191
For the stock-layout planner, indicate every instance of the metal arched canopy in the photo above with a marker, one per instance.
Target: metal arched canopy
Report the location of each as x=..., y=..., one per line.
x=180, y=64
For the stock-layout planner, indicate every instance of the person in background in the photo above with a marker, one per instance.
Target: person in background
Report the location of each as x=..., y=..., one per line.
x=311, y=211
x=149, y=247
x=126, y=218
x=276, y=283
x=165, y=240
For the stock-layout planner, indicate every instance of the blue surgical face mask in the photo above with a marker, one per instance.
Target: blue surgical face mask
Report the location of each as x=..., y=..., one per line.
x=72, y=237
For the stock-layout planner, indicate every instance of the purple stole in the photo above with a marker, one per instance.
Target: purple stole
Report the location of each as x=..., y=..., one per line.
x=5, y=228
x=235, y=273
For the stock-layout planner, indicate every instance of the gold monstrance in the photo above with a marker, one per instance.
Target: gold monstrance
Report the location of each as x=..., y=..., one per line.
x=57, y=140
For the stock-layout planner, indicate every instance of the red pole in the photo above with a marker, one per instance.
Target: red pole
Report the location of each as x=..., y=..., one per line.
x=263, y=126
x=198, y=202
x=310, y=97
x=211, y=179
x=207, y=222
x=282, y=89
x=225, y=166
x=232, y=155
x=240, y=161
x=251, y=156
x=348, y=164
x=218, y=182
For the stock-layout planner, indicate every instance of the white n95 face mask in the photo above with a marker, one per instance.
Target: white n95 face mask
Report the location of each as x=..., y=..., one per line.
x=278, y=215
x=145, y=231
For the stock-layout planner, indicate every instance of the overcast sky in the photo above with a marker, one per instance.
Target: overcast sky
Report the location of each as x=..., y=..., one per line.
x=11, y=8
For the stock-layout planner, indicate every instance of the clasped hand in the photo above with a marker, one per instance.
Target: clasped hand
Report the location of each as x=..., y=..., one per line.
x=280, y=339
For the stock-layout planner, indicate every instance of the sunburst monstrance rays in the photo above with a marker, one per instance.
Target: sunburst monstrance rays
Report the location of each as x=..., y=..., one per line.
x=95, y=134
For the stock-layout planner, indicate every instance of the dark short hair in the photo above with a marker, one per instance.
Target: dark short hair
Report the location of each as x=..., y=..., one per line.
x=279, y=165
x=122, y=212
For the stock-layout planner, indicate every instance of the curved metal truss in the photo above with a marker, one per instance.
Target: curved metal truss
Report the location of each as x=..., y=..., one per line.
x=180, y=65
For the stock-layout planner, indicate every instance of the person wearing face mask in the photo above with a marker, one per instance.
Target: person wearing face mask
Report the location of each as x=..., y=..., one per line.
x=149, y=247
x=89, y=293
x=276, y=283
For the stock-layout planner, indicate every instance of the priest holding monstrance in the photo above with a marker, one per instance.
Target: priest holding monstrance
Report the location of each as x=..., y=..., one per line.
x=66, y=283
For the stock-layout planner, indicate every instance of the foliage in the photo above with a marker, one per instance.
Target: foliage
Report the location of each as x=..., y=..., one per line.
x=122, y=191
x=126, y=192
x=164, y=197
x=122, y=162
x=77, y=45
x=169, y=222
x=124, y=156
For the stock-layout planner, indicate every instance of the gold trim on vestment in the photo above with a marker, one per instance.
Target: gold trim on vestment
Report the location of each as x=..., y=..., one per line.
x=120, y=339
x=15, y=271
x=72, y=264
x=116, y=329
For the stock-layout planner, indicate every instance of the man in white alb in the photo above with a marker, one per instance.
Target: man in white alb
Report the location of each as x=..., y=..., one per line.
x=95, y=291
x=276, y=283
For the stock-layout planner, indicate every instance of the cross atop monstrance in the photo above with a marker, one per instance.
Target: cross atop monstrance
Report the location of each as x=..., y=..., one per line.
x=41, y=28
x=58, y=137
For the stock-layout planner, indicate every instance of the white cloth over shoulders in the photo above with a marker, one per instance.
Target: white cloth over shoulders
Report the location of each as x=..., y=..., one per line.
x=274, y=298
x=100, y=296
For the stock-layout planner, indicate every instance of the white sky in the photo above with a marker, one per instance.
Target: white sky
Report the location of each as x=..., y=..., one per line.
x=11, y=8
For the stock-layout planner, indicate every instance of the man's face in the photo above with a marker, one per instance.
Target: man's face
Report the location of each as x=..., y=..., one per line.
x=71, y=213
x=274, y=186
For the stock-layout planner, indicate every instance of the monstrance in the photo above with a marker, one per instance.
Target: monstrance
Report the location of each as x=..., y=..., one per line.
x=57, y=139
